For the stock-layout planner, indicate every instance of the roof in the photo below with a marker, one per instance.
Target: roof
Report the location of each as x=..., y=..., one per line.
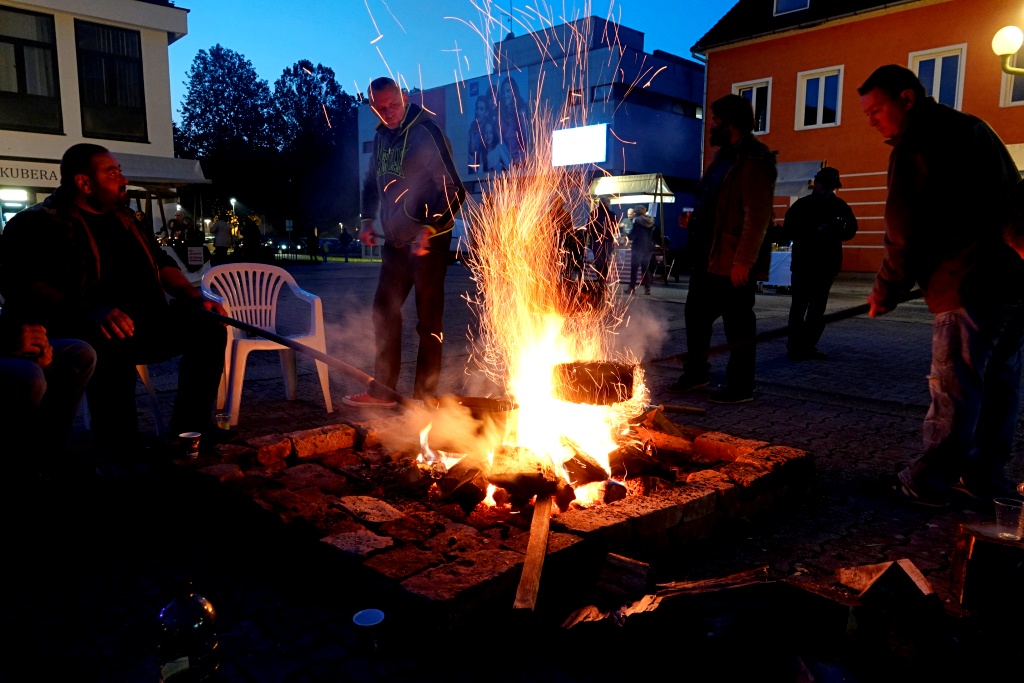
x=754, y=18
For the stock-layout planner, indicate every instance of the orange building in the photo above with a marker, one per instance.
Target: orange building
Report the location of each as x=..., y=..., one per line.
x=801, y=61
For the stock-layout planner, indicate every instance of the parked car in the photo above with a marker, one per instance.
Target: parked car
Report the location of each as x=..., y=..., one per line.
x=332, y=245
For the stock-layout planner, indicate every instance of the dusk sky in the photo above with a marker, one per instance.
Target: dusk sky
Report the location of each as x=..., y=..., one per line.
x=417, y=38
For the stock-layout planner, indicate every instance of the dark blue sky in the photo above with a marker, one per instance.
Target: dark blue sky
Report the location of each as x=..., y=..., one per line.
x=417, y=39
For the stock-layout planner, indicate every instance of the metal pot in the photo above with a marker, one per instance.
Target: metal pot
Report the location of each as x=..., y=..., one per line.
x=594, y=382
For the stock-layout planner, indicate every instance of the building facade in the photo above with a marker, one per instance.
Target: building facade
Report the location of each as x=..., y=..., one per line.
x=801, y=62
x=626, y=112
x=94, y=71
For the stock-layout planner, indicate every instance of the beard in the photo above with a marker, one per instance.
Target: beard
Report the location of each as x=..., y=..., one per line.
x=719, y=137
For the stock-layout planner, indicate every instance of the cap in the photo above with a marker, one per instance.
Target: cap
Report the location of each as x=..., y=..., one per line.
x=828, y=176
x=640, y=208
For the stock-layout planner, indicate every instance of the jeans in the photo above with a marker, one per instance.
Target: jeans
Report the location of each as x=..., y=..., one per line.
x=975, y=389
x=810, y=296
x=640, y=260
x=711, y=297
x=400, y=272
x=38, y=405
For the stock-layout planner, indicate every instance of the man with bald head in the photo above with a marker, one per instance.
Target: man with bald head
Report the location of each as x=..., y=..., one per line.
x=414, y=190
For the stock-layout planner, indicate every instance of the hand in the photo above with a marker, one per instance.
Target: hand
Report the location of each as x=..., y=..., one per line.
x=739, y=275
x=876, y=308
x=32, y=344
x=368, y=233
x=113, y=322
x=210, y=305
x=421, y=244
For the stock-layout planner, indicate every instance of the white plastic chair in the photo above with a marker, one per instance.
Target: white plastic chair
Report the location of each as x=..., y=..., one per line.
x=249, y=292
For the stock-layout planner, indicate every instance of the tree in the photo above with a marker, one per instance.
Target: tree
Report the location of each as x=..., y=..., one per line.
x=226, y=106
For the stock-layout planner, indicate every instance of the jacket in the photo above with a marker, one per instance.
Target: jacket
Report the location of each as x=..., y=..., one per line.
x=744, y=207
x=642, y=237
x=944, y=159
x=50, y=265
x=818, y=224
x=412, y=181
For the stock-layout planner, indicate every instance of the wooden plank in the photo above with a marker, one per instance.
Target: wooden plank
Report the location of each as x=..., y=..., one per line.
x=536, y=549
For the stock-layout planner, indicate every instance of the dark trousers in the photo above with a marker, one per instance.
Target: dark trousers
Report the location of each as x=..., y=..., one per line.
x=179, y=330
x=638, y=261
x=711, y=297
x=807, y=309
x=400, y=273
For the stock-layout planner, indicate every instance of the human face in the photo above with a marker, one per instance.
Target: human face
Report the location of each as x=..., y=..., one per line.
x=389, y=106
x=887, y=115
x=481, y=108
x=721, y=132
x=105, y=188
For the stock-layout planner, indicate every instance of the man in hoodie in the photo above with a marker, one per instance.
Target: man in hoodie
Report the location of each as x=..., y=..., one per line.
x=105, y=280
x=970, y=278
x=731, y=217
x=413, y=187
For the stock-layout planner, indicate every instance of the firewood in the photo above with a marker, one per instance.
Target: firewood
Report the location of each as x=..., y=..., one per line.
x=614, y=490
x=665, y=442
x=564, y=494
x=581, y=467
x=623, y=576
x=536, y=549
x=632, y=460
x=662, y=423
x=463, y=472
x=523, y=474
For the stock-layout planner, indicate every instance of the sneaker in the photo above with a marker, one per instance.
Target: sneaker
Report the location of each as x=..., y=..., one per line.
x=961, y=487
x=685, y=384
x=728, y=396
x=364, y=400
x=905, y=490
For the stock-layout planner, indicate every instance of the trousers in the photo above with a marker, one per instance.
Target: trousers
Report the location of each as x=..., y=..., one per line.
x=711, y=297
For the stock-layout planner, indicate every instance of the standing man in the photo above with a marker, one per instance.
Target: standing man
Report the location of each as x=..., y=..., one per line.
x=221, y=231
x=972, y=282
x=730, y=219
x=817, y=224
x=413, y=184
x=105, y=280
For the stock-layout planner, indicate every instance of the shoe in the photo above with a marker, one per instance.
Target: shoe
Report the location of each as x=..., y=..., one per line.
x=728, y=396
x=364, y=400
x=905, y=490
x=647, y=291
x=685, y=384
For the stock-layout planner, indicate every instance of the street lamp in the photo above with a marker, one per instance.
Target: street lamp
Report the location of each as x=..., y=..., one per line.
x=1005, y=43
x=232, y=200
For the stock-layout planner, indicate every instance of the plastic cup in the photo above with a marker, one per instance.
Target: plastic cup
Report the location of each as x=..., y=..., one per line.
x=369, y=625
x=1009, y=518
x=223, y=420
x=191, y=443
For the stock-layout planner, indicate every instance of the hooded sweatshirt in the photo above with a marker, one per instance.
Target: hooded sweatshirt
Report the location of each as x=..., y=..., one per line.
x=412, y=181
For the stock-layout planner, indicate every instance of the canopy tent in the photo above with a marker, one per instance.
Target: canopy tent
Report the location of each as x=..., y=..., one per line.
x=151, y=177
x=644, y=188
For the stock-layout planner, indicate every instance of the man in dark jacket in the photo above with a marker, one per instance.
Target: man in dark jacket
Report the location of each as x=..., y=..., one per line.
x=413, y=187
x=817, y=224
x=79, y=265
x=730, y=219
x=643, y=239
x=970, y=278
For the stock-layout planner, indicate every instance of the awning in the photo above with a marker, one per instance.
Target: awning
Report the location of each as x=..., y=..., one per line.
x=643, y=188
x=154, y=172
x=795, y=178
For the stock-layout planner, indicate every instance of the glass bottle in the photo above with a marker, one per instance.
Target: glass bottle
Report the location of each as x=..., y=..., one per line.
x=188, y=638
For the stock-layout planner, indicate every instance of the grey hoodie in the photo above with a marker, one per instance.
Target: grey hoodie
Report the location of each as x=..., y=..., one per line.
x=412, y=181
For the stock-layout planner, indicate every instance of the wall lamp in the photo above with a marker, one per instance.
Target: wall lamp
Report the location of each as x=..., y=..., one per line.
x=1005, y=44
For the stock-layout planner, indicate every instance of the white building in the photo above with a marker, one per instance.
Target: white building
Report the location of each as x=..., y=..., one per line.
x=94, y=71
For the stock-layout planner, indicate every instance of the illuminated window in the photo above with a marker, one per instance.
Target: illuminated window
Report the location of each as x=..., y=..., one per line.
x=29, y=87
x=760, y=94
x=110, y=82
x=941, y=73
x=786, y=6
x=818, y=98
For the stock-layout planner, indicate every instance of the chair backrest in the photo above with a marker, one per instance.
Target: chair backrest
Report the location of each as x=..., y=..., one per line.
x=250, y=291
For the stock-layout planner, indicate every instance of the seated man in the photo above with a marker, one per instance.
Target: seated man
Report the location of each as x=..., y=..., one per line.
x=79, y=265
x=43, y=381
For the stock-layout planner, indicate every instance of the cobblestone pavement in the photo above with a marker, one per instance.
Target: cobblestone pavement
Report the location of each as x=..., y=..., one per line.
x=90, y=565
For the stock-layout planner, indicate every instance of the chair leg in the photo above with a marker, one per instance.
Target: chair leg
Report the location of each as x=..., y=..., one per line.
x=289, y=373
x=321, y=369
x=143, y=371
x=222, y=389
x=238, y=358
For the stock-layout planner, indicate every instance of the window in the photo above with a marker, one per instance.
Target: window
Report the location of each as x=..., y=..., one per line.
x=819, y=97
x=941, y=72
x=1013, y=86
x=786, y=6
x=760, y=94
x=29, y=88
x=110, y=82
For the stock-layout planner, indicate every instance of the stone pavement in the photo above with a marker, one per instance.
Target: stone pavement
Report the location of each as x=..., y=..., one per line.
x=91, y=565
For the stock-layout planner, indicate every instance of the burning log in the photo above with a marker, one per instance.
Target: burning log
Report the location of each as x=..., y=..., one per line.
x=564, y=495
x=523, y=474
x=632, y=459
x=536, y=549
x=581, y=468
x=614, y=490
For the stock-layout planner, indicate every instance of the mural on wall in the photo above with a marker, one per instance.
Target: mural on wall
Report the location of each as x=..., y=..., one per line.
x=499, y=132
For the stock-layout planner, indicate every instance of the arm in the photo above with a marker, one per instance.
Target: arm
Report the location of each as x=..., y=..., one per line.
x=177, y=285
x=757, y=193
x=849, y=222
x=894, y=279
x=440, y=191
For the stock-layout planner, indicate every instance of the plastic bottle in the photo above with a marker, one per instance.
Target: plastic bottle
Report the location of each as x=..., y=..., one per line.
x=188, y=638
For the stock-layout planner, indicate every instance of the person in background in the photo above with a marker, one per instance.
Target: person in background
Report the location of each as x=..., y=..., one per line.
x=642, y=243
x=346, y=239
x=105, y=281
x=413, y=187
x=602, y=237
x=972, y=282
x=731, y=217
x=817, y=225
x=221, y=231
